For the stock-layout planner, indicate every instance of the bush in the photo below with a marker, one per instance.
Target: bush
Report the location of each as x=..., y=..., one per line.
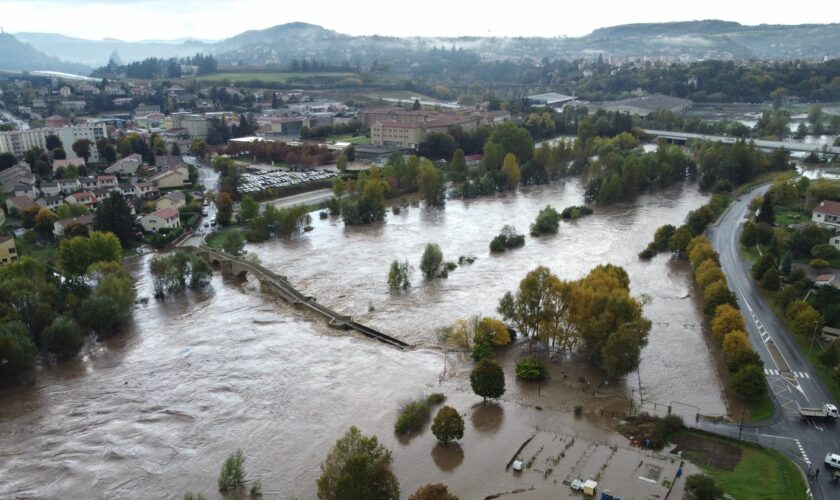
x=435, y=491
x=431, y=263
x=498, y=244
x=665, y=429
x=575, y=212
x=62, y=338
x=703, y=487
x=448, y=425
x=450, y=266
x=819, y=263
x=232, y=475
x=547, y=222
x=256, y=489
x=830, y=355
x=399, y=275
x=661, y=237
x=17, y=351
x=647, y=254
x=506, y=239
x=412, y=416
x=531, y=369
x=435, y=398
x=578, y=410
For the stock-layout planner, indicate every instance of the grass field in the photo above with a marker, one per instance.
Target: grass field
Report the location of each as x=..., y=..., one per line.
x=270, y=77
x=359, y=139
x=758, y=473
x=788, y=216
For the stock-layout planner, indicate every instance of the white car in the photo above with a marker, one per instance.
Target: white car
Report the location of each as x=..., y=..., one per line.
x=832, y=460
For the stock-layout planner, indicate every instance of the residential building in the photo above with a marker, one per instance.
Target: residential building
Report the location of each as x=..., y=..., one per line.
x=65, y=92
x=164, y=218
x=18, y=141
x=28, y=190
x=146, y=109
x=145, y=190
x=8, y=250
x=168, y=179
x=835, y=242
x=61, y=225
x=106, y=181
x=196, y=125
x=126, y=166
x=128, y=190
x=827, y=214
x=85, y=198
x=172, y=199
x=68, y=185
x=13, y=176
x=50, y=202
x=74, y=105
x=92, y=131
x=17, y=204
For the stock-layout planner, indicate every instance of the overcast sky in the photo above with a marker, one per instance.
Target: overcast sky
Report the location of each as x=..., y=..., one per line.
x=216, y=19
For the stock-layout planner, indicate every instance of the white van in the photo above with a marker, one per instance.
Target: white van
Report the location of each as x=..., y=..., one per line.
x=833, y=460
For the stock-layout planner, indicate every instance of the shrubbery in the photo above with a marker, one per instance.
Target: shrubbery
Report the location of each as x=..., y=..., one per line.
x=507, y=239
x=414, y=413
x=547, y=222
x=575, y=212
x=531, y=369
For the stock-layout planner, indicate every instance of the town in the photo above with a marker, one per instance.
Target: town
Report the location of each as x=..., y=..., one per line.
x=345, y=266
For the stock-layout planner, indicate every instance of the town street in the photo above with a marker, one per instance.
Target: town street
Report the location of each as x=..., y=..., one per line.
x=791, y=378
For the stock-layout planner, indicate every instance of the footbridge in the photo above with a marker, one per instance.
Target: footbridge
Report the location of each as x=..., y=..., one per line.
x=682, y=137
x=279, y=286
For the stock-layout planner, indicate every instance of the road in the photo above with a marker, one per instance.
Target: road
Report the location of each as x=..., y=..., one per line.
x=761, y=143
x=308, y=198
x=789, y=374
x=208, y=178
x=20, y=124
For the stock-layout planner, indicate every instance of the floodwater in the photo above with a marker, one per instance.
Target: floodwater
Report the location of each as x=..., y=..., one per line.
x=153, y=412
x=346, y=269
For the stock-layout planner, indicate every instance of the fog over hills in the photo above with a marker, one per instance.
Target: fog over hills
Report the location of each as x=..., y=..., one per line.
x=709, y=39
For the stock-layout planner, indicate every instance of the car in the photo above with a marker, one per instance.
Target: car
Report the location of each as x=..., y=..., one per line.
x=832, y=460
x=204, y=213
x=206, y=224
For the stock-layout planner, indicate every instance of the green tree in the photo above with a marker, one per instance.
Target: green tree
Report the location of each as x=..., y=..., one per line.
x=248, y=208
x=749, y=382
x=17, y=351
x=232, y=475
x=459, y=166
x=703, y=487
x=715, y=294
x=233, y=243
x=399, y=275
x=431, y=263
x=100, y=314
x=448, y=425
x=766, y=213
x=547, y=222
x=678, y=243
x=339, y=187
x=67, y=210
x=114, y=215
x=431, y=184
x=62, y=338
x=771, y=280
x=341, y=162
x=358, y=468
x=487, y=379
x=762, y=265
x=435, y=491
x=59, y=154
x=7, y=160
x=224, y=205
x=510, y=138
x=53, y=142
x=531, y=369
x=78, y=253
x=200, y=272
x=82, y=148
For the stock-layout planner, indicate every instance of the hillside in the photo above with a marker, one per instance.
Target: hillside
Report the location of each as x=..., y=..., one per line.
x=17, y=55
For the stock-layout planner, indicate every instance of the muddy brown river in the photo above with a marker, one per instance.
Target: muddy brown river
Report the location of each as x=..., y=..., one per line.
x=153, y=412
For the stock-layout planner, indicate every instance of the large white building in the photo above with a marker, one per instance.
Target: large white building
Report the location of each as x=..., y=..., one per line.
x=196, y=125
x=18, y=141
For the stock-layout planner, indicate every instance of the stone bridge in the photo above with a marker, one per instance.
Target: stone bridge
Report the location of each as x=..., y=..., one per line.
x=279, y=286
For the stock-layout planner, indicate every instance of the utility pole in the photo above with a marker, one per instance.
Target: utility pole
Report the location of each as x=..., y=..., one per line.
x=741, y=426
x=814, y=335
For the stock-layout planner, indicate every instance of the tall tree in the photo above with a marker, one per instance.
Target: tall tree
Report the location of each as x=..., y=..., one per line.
x=459, y=166
x=358, y=468
x=52, y=142
x=766, y=213
x=487, y=379
x=114, y=215
x=82, y=148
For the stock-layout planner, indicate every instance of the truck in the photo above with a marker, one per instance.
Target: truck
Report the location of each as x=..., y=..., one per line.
x=823, y=412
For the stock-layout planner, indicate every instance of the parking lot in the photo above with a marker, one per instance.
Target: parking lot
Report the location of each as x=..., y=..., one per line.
x=255, y=181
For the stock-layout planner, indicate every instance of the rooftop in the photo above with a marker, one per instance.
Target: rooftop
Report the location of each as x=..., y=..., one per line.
x=829, y=207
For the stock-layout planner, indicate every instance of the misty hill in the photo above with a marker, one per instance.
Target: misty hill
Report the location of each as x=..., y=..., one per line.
x=278, y=45
x=16, y=55
x=97, y=52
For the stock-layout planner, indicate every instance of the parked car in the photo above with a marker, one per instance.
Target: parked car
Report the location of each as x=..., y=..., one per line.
x=832, y=460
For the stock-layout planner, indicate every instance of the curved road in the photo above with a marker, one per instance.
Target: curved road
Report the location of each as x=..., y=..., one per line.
x=789, y=374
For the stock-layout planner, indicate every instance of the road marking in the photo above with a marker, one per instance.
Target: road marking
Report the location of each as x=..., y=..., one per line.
x=771, y=371
x=777, y=437
x=802, y=451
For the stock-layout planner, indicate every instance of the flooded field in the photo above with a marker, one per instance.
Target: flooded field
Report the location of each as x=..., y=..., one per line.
x=153, y=412
x=346, y=269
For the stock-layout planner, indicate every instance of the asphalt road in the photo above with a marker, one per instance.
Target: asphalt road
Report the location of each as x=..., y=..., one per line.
x=789, y=374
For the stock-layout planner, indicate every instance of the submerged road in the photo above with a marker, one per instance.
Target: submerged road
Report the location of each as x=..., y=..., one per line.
x=789, y=374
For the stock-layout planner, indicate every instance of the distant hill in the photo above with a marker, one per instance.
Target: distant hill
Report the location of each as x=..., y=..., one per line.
x=17, y=55
x=708, y=39
x=96, y=53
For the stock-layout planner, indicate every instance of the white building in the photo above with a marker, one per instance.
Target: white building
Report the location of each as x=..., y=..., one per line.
x=835, y=242
x=827, y=214
x=165, y=218
x=18, y=141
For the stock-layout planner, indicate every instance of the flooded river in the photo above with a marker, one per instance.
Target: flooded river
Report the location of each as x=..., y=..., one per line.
x=153, y=412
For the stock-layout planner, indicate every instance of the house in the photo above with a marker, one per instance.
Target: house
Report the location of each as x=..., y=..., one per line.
x=835, y=242
x=106, y=181
x=164, y=218
x=472, y=160
x=17, y=204
x=827, y=214
x=50, y=188
x=68, y=185
x=69, y=162
x=89, y=183
x=126, y=166
x=8, y=250
x=168, y=179
x=163, y=163
x=128, y=190
x=65, y=92
x=56, y=121
x=50, y=202
x=823, y=279
x=83, y=198
x=27, y=190
x=145, y=190
x=172, y=199
x=61, y=225
x=12, y=176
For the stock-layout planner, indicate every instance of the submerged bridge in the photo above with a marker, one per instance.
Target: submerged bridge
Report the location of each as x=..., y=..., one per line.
x=279, y=286
x=683, y=137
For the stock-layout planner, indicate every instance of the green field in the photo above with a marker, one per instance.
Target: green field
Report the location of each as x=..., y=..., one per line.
x=359, y=139
x=271, y=77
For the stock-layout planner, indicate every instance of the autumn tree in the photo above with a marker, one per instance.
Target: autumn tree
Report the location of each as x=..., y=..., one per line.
x=727, y=319
x=448, y=425
x=437, y=491
x=45, y=223
x=224, y=206
x=341, y=162
x=715, y=294
x=511, y=171
x=358, y=468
